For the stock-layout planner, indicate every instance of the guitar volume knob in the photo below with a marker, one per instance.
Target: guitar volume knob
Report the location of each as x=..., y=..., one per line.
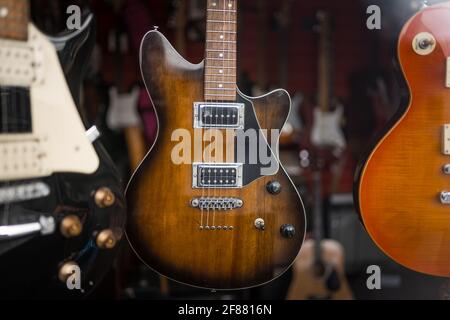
x=106, y=239
x=66, y=270
x=287, y=230
x=446, y=169
x=104, y=197
x=71, y=226
x=445, y=197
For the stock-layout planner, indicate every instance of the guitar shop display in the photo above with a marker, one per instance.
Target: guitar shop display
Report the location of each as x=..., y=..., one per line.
x=200, y=191
x=210, y=223
x=62, y=210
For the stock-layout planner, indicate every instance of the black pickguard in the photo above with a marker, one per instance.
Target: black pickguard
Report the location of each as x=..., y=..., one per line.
x=254, y=167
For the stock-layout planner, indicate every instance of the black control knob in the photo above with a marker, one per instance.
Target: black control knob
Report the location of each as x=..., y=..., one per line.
x=274, y=187
x=287, y=230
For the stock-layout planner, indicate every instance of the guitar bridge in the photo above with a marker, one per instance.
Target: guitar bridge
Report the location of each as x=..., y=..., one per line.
x=209, y=203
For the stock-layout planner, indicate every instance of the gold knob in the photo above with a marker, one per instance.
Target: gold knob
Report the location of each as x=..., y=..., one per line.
x=106, y=239
x=104, y=197
x=71, y=226
x=66, y=270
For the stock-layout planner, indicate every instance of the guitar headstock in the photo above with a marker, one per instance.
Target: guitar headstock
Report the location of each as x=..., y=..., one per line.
x=283, y=16
x=323, y=23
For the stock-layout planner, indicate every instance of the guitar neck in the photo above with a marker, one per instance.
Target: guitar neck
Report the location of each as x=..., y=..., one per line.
x=220, y=55
x=14, y=17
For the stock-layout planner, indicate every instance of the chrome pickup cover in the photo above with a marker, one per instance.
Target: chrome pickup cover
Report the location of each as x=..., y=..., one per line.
x=219, y=115
x=206, y=203
x=217, y=175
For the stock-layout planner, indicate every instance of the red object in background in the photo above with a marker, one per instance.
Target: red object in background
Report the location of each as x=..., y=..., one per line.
x=137, y=20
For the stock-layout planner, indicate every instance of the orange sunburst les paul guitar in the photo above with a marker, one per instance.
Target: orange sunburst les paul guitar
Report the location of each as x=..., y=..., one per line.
x=402, y=188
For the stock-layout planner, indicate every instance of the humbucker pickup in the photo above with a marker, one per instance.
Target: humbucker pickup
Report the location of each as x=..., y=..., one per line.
x=217, y=175
x=219, y=115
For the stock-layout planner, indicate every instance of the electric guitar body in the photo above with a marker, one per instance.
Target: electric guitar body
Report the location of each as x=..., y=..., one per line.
x=62, y=209
x=256, y=229
x=401, y=187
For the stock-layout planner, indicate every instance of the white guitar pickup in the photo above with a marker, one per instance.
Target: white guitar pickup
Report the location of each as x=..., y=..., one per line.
x=446, y=139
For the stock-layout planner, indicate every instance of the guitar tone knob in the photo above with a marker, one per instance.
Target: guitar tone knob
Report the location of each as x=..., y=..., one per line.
x=106, y=239
x=274, y=187
x=66, y=270
x=445, y=197
x=104, y=197
x=446, y=169
x=71, y=226
x=287, y=231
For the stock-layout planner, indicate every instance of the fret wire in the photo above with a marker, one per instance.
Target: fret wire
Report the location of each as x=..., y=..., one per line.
x=222, y=21
x=220, y=41
x=222, y=82
x=221, y=10
x=221, y=59
x=215, y=67
x=220, y=95
x=218, y=50
x=223, y=31
x=220, y=89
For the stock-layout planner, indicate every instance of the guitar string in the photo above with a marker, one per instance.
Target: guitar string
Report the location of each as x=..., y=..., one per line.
x=203, y=116
x=226, y=67
x=218, y=118
x=208, y=176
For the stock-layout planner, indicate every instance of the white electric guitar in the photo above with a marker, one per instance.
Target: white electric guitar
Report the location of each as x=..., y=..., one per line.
x=327, y=117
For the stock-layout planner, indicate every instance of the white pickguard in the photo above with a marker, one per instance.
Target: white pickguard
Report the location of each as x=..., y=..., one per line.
x=326, y=130
x=58, y=142
x=123, y=111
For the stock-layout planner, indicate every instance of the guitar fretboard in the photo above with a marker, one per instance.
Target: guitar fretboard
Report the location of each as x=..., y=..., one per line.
x=14, y=16
x=220, y=60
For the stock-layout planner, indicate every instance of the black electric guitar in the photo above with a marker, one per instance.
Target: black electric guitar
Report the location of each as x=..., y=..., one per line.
x=62, y=210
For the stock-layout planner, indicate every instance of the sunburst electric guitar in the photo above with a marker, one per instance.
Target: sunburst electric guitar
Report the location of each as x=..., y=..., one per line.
x=403, y=186
x=212, y=213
